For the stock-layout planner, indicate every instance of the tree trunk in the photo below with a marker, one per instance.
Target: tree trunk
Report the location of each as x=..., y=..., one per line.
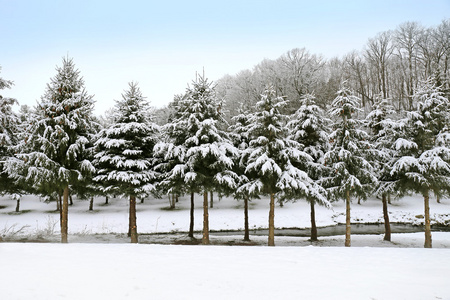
x=58, y=203
x=313, y=222
x=133, y=224
x=438, y=199
x=106, y=200
x=387, y=224
x=18, y=205
x=91, y=203
x=426, y=199
x=347, y=220
x=191, y=224
x=389, y=198
x=65, y=215
x=70, y=199
x=272, y=220
x=205, y=238
x=142, y=200
x=59, y=208
x=172, y=201
x=211, y=195
x=176, y=198
x=246, y=230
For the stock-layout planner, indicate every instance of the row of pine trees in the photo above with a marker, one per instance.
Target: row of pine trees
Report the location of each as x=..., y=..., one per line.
x=60, y=148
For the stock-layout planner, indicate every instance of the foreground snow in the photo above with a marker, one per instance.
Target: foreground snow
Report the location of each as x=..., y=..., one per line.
x=125, y=271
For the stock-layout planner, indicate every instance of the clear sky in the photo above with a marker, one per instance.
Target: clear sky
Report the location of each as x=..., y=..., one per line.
x=161, y=44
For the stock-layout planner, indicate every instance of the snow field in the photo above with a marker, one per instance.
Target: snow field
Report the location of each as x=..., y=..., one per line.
x=126, y=271
x=90, y=267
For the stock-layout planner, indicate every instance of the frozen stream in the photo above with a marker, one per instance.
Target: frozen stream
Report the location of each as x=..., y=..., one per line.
x=338, y=230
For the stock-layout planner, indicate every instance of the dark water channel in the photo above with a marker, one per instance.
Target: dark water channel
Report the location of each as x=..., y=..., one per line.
x=338, y=230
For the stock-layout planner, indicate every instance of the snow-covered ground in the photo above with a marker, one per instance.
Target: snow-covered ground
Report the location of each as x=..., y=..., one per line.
x=98, y=264
x=125, y=271
x=109, y=222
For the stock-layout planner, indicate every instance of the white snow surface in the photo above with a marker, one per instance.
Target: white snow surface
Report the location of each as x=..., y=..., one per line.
x=98, y=262
x=123, y=271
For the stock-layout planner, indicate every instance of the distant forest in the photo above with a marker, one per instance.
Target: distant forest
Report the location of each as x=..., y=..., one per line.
x=390, y=66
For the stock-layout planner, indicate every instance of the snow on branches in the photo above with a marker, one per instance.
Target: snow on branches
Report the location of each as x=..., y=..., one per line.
x=124, y=158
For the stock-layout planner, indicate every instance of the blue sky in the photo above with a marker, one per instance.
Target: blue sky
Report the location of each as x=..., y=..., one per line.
x=161, y=44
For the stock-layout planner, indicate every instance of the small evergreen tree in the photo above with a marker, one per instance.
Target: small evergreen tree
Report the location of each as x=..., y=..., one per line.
x=351, y=173
x=53, y=155
x=124, y=159
x=87, y=189
x=9, y=137
x=421, y=164
x=308, y=127
x=241, y=139
x=171, y=154
x=384, y=131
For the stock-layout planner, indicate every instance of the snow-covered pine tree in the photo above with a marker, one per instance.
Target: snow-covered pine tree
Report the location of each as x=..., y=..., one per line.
x=87, y=189
x=383, y=131
x=209, y=151
x=53, y=154
x=421, y=164
x=9, y=130
x=124, y=160
x=27, y=117
x=198, y=155
x=308, y=127
x=171, y=153
x=270, y=155
x=351, y=173
x=240, y=137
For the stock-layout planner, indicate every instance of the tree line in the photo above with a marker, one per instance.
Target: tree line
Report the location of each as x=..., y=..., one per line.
x=284, y=141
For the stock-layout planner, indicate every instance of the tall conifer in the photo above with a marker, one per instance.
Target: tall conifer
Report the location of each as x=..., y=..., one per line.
x=422, y=160
x=9, y=138
x=351, y=173
x=54, y=149
x=308, y=127
x=383, y=132
x=124, y=158
x=270, y=167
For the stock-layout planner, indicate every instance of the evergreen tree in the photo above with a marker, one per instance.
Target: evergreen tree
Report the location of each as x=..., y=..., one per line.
x=171, y=153
x=308, y=127
x=270, y=155
x=384, y=131
x=421, y=164
x=9, y=131
x=351, y=173
x=241, y=139
x=209, y=155
x=199, y=155
x=54, y=150
x=87, y=189
x=124, y=159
